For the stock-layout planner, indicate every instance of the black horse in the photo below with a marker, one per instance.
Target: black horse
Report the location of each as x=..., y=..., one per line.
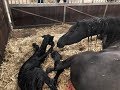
x=31, y=75
x=93, y=70
x=108, y=28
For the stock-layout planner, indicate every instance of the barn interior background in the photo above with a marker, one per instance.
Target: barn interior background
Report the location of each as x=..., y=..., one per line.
x=22, y=18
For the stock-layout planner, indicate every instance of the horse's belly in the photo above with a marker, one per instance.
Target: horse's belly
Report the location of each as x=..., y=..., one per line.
x=96, y=76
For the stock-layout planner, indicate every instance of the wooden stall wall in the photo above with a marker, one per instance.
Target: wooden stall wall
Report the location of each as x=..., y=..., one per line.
x=4, y=29
x=24, y=15
x=34, y=16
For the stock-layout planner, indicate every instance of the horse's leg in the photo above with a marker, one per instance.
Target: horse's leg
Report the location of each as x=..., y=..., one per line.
x=60, y=66
x=58, y=1
x=41, y=1
x=40, y=84
x=57, y=76
x=64, y=0
x=50, y=82
x=38, y=1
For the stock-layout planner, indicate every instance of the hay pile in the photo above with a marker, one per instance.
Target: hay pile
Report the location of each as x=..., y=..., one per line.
x=19, y=49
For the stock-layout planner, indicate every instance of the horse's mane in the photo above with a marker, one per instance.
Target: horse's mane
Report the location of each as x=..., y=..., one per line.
x=108, y=26
x=101, y=24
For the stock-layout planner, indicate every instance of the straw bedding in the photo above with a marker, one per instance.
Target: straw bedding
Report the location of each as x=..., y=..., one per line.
x=19, y=49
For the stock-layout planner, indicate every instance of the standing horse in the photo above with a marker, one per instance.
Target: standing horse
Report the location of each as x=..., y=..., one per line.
x=106, y=27
x=93, y=70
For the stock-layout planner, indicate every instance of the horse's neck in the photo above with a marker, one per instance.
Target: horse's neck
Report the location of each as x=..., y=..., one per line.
x=103, y=26
x=111, y=40
x=44, y=45
x=95, y=28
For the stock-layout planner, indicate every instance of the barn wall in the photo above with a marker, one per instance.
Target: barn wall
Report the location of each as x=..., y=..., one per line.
x=25, y=16
x=4, y=29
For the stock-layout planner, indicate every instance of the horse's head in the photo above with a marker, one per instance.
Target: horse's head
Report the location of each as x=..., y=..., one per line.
x=75, y=34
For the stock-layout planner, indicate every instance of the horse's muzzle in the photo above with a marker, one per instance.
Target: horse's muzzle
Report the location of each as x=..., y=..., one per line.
x=60, y=45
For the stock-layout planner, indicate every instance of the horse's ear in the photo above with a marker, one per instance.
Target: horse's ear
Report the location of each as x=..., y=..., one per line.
x=52, y=36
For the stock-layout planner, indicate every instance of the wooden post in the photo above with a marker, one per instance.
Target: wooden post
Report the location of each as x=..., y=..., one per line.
x=4, y=29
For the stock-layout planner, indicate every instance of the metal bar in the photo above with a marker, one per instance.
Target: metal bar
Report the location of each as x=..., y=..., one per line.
x=61, y=4
x=30, y=1
x=22, y=1
x=37, y=15
x=64, y=15
x=7, y=11
x=11, y=2
x=15, y=2
x=18, y=1
x=105, y=10
x=30, y=26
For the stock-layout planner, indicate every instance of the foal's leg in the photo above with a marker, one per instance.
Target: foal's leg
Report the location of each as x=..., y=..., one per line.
x=50, y=82
x=59, y=67
x=40, y=84
x=57, y=76
x=48, y=70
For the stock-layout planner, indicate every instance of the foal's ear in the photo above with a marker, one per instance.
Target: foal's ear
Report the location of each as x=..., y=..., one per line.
x=43, y=36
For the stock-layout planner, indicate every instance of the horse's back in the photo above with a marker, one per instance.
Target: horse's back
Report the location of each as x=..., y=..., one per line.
x=96, y=71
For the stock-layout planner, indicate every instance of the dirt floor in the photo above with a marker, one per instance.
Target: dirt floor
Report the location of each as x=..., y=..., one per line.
x=19, y=49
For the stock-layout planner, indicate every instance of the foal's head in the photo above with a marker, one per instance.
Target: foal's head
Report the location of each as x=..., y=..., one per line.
x=48, y=39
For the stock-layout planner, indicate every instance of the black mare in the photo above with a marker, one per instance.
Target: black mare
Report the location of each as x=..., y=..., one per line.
x=31, y=75
x=93, y=70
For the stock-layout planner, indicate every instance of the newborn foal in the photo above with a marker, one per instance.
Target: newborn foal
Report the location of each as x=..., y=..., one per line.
x=31, y=75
